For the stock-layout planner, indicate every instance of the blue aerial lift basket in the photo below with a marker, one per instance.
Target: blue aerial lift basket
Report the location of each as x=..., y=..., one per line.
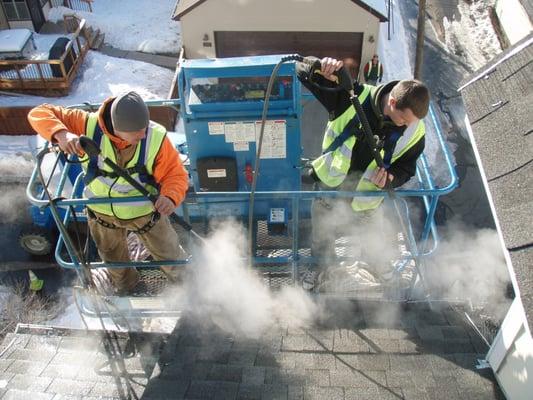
x=221, y=103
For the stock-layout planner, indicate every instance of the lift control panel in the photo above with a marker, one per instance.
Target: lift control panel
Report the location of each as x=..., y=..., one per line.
x=221, y=107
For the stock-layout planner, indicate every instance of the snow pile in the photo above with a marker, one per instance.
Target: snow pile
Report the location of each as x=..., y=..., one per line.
x=472, y=37
x=16, y=160
x=102, y=76
x=143, y=26
x=394, y=53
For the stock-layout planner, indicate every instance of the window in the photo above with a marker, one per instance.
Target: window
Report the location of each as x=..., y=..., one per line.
x=16, y=10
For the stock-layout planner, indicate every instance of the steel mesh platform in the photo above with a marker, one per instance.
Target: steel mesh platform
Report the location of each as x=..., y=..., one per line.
x=152, y=282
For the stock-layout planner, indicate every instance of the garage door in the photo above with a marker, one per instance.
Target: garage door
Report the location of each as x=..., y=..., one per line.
x=340, y=45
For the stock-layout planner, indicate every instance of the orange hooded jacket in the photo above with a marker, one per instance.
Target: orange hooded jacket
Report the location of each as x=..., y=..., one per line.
x=168, y=171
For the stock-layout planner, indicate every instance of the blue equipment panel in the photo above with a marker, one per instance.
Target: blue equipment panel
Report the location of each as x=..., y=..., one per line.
x=222, y=104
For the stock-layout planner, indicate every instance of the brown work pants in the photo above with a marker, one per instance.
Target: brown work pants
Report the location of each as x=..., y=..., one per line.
x=161, y=241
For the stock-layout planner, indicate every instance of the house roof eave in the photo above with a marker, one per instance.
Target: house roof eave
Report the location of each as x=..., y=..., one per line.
x=179, y=12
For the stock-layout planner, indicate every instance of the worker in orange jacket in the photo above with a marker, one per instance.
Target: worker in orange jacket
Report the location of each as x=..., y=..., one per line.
x=123, y=131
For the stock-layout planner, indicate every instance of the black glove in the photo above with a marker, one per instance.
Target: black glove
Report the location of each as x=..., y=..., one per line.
x=309, y=176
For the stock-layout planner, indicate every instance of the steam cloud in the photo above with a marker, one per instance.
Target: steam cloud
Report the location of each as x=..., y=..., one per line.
x=470, y=264
x=222, y=289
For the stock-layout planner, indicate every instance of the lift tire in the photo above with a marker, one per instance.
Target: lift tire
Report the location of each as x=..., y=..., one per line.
x=36, y=241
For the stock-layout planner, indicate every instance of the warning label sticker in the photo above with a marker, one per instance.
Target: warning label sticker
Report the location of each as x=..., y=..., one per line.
x=277, y=215
x=274, y=138
x=216, y=173
x=216, y=128
x=241, y=133
x=241, y=146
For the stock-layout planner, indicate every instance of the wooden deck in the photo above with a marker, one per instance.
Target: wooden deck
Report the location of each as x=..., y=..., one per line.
x=47, y=77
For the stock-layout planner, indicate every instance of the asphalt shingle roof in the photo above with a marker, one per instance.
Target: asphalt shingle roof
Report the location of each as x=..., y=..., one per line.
x=499, y=109
x=413, y=353
x=528, y=6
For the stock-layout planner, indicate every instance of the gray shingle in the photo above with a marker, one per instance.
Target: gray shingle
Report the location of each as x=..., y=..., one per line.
x=29, y=383
x=15, y=394
x=274, y=392
x=253, y=375
x=378, y=371
x=499, y=109
x=70, y=387
x=320, y=393
x=249, y=392
x=212, y=389
x=26, y=367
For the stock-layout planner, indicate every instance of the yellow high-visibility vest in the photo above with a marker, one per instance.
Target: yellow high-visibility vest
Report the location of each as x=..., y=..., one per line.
x=332, y=166
x=104, y=186
x=410, y=137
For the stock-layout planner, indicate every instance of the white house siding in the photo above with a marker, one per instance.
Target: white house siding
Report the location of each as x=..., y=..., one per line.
x=275, y=15
x=513, y=19
x=516, y=371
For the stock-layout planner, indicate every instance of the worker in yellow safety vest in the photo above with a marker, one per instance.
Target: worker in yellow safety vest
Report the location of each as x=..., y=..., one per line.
x=123, y=131
x=395, y=111
x=373, y=71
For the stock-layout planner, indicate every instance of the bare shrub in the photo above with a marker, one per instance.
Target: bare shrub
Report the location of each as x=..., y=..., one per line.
x=26, y=307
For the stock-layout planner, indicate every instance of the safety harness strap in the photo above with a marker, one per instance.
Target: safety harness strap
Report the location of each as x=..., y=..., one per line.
x=143, y=229
x=92, y=168
x=349, y=130
x=140, y=167
x=389, y=146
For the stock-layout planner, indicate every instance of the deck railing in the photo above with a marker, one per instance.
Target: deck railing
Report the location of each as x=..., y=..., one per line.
x=78, y=5
x=47, y=75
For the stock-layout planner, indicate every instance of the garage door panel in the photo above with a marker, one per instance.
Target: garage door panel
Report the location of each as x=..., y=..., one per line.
x=320, y=44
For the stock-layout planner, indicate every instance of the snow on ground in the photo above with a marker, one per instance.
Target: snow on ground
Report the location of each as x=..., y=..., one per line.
x=102, y=76
x=472, y=36
x=143, y=25
x=394, y=53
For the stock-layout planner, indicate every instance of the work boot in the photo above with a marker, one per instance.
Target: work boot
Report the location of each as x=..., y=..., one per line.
x=309, y=279
x=125, y=280
x=359, y=273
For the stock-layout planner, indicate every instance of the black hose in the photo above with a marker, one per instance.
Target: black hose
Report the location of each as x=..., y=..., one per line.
x=344, y=83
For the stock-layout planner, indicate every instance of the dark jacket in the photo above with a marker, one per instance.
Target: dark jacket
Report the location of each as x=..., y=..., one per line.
x=337, y=102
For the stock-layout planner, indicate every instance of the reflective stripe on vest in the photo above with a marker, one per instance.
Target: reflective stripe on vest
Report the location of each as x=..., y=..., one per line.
x=332, y=166
x=411, y=136
x=103, y=186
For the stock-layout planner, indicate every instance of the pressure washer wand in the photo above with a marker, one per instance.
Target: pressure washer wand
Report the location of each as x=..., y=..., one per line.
x=92, y=149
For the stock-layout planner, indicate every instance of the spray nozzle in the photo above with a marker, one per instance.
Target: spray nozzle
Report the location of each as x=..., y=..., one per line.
x=342, y=76
x=89, y=146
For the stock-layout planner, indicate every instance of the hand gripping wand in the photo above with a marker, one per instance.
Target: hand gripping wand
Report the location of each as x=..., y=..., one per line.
x=91, y=148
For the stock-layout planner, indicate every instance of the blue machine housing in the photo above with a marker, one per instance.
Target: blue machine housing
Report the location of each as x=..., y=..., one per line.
x=221, y=107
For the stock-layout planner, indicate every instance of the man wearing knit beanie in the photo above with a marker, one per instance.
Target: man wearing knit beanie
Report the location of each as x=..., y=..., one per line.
x=129, y=113
x=125, y=134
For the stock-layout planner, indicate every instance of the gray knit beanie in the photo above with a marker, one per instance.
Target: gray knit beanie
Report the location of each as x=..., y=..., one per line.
x=129, y=113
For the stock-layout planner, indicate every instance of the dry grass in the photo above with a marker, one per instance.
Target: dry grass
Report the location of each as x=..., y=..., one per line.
x=26, y=307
